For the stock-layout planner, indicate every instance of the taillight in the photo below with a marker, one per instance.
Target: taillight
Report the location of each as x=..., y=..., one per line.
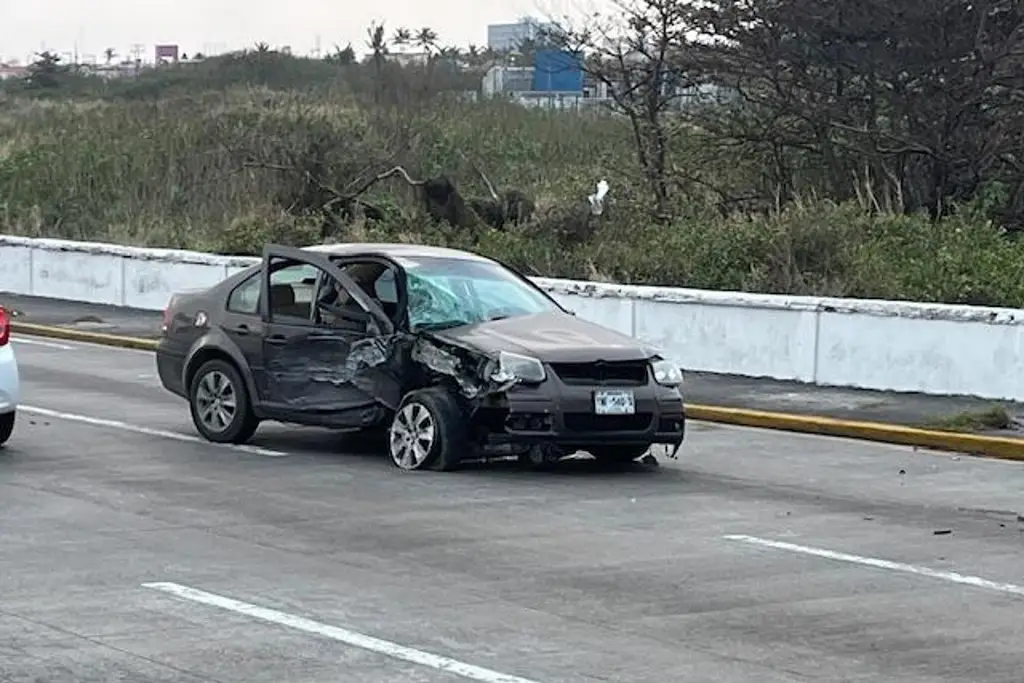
x=168, y=316
x=5, y=327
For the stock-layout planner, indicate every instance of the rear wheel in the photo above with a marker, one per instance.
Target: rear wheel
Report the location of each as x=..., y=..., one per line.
x=6, y=427
x=428, y=432
x=220, y=405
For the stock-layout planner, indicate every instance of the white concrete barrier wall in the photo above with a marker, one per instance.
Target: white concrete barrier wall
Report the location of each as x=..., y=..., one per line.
x=898, y=346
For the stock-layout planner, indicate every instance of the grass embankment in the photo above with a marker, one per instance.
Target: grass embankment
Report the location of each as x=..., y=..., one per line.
x=168, y=169
x=991, y=419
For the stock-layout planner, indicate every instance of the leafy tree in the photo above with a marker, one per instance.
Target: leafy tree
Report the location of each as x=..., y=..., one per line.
x=342, y=56
x=917, y=104
x=46, y=72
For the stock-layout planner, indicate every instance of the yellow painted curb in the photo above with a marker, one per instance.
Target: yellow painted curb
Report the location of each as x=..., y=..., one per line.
x=83, y=336
x=1004, y=448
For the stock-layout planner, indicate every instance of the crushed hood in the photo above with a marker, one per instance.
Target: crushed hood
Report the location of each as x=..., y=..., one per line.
x=550, y=337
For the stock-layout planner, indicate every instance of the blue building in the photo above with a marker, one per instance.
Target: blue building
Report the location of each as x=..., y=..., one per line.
x=557, y=71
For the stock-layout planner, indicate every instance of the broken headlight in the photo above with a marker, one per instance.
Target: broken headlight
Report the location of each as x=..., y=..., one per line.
x=524, y=368
x=667, y=373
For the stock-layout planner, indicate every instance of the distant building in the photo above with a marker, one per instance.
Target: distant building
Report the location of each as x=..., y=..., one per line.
x=557, y=71
x=409, y=58
x=509, y=36
x=121, y=70
x=507, y=80
x=8, y=71
x=165, y=53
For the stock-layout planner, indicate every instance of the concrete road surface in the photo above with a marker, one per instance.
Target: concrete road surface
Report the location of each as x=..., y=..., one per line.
x=133, y=551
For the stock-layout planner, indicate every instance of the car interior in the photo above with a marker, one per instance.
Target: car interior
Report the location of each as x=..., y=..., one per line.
x=334, y=306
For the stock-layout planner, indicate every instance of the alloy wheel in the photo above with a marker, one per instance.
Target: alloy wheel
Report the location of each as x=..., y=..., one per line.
x=216, y=401
x=412, y=436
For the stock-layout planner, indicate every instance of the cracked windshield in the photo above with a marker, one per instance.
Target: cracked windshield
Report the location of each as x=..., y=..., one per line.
x=447, y=293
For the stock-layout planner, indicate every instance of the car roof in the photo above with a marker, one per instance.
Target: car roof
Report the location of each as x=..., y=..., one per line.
x=395, y=251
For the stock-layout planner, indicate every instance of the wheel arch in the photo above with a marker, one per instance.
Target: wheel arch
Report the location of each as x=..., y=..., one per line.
x=207, y=352
x=450, y=423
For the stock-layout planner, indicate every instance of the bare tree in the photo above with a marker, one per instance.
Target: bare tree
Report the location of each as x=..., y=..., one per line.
x=641, y=58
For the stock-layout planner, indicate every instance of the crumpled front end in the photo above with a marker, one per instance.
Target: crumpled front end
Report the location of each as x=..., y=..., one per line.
x=563, y=408
x=474, y=374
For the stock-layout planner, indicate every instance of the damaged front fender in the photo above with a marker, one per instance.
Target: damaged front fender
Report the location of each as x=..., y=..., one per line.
x=474, y=373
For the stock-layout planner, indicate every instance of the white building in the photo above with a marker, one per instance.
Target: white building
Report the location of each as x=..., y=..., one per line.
x=505, y=80
x=508, y=36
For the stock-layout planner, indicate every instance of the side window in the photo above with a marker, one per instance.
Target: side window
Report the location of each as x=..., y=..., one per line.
x=385, y=288
x=245, y=297
x=338, y=309
x=291, y=292
x=377, y=281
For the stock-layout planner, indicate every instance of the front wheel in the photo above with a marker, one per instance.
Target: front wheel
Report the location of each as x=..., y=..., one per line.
x=428, y=432
x=220, y=405
x=6, y=427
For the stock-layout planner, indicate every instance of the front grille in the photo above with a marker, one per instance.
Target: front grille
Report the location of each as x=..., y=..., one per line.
x=603, y=373
x=589, y=422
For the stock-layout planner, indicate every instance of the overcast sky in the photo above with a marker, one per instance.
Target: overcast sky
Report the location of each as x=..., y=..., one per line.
x=26, y=26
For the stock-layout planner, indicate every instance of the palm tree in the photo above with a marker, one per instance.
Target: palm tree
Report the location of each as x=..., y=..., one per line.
x=378, y=45
x=426, y=38
x=402, y=37
x=109, y=54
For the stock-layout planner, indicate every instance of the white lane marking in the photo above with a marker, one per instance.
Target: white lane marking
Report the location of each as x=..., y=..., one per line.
x=147, y=431
x=343, y=635
x=40, y=342
x=954, y=577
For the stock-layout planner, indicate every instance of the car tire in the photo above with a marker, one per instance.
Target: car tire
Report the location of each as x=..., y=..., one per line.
x=220, y=378
x=428, y=431
x=618, y=454
x=6, y=427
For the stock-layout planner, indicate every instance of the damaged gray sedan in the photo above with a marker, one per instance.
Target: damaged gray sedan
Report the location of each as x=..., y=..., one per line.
x=447, y=355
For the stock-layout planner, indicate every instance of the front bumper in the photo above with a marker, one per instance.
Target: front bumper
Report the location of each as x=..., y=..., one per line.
x=10, y=382
x=564, y=415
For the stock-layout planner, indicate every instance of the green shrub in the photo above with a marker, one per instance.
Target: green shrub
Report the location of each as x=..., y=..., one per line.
x=175, y=164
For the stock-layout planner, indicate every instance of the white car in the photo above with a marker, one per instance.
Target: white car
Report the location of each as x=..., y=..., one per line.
x=10, y=390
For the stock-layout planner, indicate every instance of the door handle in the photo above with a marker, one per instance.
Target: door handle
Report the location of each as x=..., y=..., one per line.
x=242, y=329
x=277, y=339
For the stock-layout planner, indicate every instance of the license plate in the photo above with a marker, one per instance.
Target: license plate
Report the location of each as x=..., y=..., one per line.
x=614, y=403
